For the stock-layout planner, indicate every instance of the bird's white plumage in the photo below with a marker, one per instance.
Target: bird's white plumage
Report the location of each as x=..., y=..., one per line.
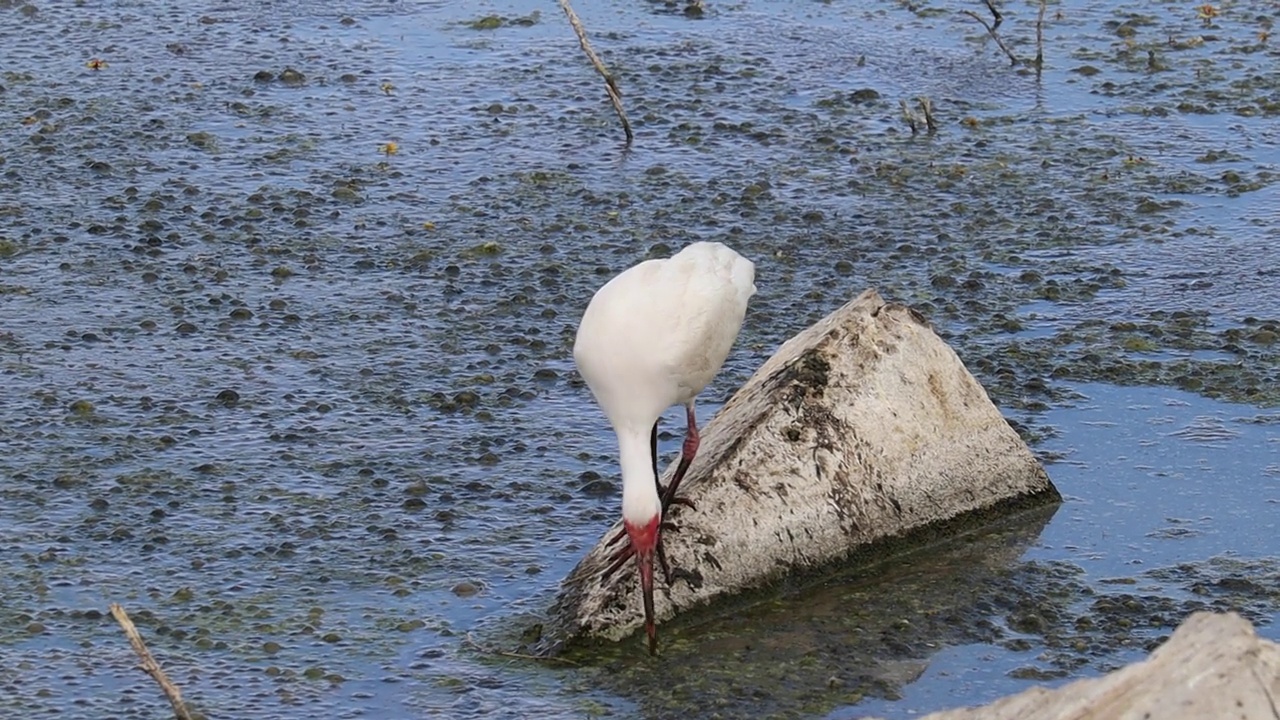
x=653, y=337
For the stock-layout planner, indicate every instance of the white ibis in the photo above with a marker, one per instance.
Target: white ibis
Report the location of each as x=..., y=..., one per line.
x=653, y=337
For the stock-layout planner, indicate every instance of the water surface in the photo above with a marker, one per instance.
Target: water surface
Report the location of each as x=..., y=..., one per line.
x=305, y=406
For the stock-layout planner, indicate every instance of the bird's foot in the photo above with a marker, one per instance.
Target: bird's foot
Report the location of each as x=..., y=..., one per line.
x=667, y=502
x=669, y=499
x=626, y=552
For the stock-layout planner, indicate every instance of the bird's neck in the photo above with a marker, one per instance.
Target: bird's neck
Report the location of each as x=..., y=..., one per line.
x=640, y=502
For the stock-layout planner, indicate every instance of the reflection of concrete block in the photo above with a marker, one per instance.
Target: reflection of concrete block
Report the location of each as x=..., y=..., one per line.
x=861, y=428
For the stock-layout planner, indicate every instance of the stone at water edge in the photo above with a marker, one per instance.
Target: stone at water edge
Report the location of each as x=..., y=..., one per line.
x=1213, y=667
x=863, y=427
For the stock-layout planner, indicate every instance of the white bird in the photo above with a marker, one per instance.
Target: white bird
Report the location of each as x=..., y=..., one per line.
x=653, y=337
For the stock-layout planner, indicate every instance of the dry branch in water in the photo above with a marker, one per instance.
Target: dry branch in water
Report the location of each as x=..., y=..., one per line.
x=926, y=116
x=1044, y=5
x=610, y=87
x=909, y=116
x=995, y=13
x=149, y=663
x=930, y=122
x=991, y=28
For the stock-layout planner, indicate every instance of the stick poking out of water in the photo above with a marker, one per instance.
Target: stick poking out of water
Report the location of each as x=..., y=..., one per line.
x=995, y=14
x=610, y=87
x=926, y=108
x=149, y=663
x=1044, y=5
x=991, y=28
x=909, y=116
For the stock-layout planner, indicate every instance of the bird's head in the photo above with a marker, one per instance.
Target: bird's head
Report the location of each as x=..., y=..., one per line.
x=644, y=541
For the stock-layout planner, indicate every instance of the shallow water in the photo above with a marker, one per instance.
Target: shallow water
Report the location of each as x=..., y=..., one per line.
x=1156, y=481
x=306, y=407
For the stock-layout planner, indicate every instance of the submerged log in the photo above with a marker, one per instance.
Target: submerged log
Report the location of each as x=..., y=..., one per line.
x=863, y=428
x=1214, y=666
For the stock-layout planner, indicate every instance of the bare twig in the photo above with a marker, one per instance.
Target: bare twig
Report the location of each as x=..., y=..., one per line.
x=930, y=122
x=909, y=116
x=991, y=30
x=610, y=87
x=514, y=655
x=149, y=663
x=994, y=14
x=1044, y=5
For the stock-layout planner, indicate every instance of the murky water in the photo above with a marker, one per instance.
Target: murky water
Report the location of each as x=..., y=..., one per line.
x=305, y=406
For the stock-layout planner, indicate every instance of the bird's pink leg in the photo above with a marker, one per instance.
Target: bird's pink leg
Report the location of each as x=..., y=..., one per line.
x=687, y=452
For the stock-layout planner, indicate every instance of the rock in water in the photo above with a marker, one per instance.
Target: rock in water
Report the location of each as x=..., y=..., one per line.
x=862, y=428
x=1214, y=666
